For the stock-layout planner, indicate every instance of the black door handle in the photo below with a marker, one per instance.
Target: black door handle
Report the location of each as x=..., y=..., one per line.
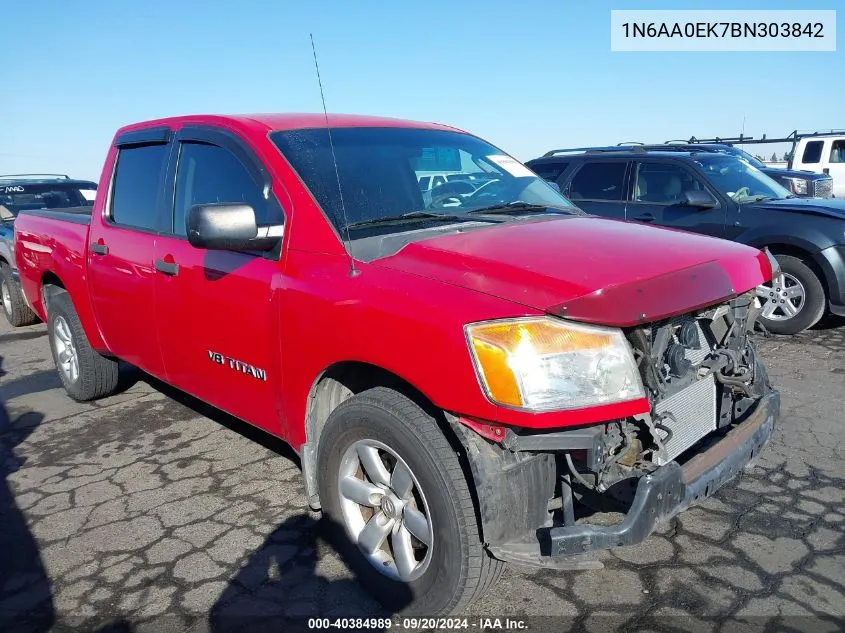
x=645, y=217
x=826, y=170
x=168, y=268
x=100, y=249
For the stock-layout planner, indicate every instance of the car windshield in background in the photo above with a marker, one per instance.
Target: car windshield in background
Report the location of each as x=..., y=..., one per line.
x=740, y=180
x=387, y=173
x=19, y=197
x=752, y=160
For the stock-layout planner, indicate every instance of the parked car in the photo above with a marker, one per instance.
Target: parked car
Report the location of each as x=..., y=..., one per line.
x=428, y=182
x=455, y=380
x=802, y=183
x=718, y=194
x=818, y=152
x=30, y=191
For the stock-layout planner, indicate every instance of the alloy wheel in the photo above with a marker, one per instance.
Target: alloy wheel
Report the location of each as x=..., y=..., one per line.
x=783, y=298
x=66, y=355
x=385, y=510
x=7, y=297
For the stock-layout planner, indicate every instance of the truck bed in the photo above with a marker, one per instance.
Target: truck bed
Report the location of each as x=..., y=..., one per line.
x=52, y=244
x=79, y=215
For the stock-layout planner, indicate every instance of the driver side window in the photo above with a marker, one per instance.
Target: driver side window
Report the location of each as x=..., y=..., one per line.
x=663, y=183
x=208, y=174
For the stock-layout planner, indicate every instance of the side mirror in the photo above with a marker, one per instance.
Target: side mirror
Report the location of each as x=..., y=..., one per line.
x=697, y=199
x=227, y=226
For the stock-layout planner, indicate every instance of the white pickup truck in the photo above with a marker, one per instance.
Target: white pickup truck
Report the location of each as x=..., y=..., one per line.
x=822, y=154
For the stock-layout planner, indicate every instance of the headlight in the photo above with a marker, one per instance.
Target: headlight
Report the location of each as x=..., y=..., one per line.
x=797, y=186
x=545, y=364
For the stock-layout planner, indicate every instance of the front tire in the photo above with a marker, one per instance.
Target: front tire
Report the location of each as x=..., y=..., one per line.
x=795, y=300
x=85, y=374
x=398, y=505
x=14, y=306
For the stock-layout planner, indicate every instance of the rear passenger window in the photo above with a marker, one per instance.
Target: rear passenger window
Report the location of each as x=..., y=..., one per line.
x=207, y=174
x=598, y=181
x=549, y=171
x=837, y=152
x=136, y=186
x=812, y=152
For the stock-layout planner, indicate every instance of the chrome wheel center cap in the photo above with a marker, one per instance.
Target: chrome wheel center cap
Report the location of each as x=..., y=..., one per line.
x=390, y=507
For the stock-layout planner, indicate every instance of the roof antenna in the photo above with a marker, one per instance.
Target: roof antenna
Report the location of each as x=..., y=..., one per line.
x=352, y=270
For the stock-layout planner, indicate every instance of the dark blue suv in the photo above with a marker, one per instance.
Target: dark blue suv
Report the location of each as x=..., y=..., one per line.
x=723, y=195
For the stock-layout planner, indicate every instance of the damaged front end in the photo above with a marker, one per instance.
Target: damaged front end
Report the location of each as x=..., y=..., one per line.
x=561, y=493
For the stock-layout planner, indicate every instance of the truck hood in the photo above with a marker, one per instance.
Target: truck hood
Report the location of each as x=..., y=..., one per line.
x=795, y=173
x=830, y=207
x=590, y=269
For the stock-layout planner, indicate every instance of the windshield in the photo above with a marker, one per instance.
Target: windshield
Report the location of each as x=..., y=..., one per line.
x=18, y=197
x=738, y=179
x=387, y=173
x=736, y=151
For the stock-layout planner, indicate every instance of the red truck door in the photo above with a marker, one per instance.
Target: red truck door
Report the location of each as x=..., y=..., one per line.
x=216, y=317
x=120, y=249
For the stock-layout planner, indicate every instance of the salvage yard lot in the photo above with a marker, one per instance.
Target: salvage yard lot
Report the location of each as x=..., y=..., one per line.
x=149, y=504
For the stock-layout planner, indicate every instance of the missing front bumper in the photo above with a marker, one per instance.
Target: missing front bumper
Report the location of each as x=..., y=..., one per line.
x=672, y=487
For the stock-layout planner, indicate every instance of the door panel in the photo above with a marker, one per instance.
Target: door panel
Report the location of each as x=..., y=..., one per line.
x=656, y=199
x=836, y=165
x=598, y=187
x=120, y=258
x=218, y=335
x=216, y=309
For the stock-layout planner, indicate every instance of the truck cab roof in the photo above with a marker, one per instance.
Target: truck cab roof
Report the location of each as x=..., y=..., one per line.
x=285, y=121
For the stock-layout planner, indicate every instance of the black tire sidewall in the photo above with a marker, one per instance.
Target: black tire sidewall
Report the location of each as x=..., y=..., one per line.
x=21, y=313
x=61, y=306
x=814, y=298
x=441, y=581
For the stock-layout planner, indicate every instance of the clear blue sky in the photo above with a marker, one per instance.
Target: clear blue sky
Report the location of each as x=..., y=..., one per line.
x=526, y=76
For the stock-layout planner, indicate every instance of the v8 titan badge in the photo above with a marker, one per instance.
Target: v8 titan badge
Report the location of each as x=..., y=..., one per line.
x=237, y=365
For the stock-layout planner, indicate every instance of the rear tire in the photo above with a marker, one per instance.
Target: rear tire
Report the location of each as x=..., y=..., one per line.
x=453, y=569
x=15, y=308
x=85, y=374
x=797, y=278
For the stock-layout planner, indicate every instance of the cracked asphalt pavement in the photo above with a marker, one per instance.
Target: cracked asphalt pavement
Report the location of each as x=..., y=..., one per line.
x=149, y=509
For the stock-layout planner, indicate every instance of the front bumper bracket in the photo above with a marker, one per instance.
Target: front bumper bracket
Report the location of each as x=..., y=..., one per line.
x=672, y=488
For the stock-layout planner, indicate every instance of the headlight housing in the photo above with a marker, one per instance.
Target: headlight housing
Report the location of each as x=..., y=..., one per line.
x=546, y=364
x=797, y=186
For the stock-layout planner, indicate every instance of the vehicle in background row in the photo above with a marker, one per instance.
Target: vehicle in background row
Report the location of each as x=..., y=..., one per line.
x=458, y=375
x=817, y=152
x=823, y=155
x=429, y=182
x=721, y=195
x=804, y=184
x=31, y=191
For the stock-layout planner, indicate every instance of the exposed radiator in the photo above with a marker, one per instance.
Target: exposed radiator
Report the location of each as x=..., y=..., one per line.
x=694, y=411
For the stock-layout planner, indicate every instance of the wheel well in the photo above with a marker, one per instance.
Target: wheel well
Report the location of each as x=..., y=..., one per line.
x=338, y=383
x=50, y=282
x=804, y=256
x=345, y=379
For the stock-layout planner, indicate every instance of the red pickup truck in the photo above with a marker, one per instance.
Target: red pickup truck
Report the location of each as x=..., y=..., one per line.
x=473, y=374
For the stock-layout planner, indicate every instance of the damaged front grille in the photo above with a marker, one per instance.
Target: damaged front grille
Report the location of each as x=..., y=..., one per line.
x=695, y=367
